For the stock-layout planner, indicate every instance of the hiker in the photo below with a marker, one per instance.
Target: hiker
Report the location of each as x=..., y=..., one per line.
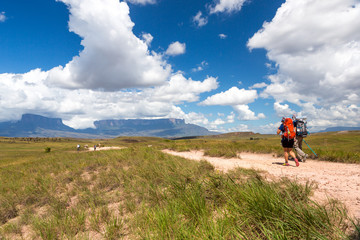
x=95, y=147
x=78, y=147
x=301, y=132
x=287, y=139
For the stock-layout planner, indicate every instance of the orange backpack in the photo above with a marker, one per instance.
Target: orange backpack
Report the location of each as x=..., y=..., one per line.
x=289, y=132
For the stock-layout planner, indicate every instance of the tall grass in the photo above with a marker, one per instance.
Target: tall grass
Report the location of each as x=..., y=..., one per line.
x=217, y=207
x=140, y=193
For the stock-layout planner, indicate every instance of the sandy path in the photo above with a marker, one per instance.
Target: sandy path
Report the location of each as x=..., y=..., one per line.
x=103, y=148
x=336, y=180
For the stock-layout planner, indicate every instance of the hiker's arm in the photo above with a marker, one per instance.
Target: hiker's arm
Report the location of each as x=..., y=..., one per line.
x=278, y=132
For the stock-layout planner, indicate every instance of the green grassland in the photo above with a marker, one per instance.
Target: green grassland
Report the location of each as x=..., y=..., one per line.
x=139, y=192
x=332, y=146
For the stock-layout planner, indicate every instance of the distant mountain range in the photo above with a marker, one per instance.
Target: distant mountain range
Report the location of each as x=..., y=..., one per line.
x=32, y=125
x=337, y=129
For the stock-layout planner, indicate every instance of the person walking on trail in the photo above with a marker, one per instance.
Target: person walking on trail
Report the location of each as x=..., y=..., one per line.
x=299, y=137
x=287, y=139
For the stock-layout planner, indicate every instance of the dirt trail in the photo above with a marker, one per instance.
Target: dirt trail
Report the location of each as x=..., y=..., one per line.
x=103, y=148
x=335, y=180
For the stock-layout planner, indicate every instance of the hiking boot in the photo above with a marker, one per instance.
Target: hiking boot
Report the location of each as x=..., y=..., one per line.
x=286, y=164
x=297, y=162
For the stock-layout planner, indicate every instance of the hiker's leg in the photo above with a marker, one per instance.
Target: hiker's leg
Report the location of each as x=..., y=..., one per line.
x=300, y=142
x=286, y=155
x=291, y=146
x=291, y=152
x=285, y=143
x=293, y=155
x=297, y=144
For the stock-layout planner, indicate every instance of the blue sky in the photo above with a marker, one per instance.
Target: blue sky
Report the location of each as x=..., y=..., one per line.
x=227, y=65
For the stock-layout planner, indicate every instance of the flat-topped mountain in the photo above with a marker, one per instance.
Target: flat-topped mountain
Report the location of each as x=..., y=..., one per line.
x=31, y=125
x=138, y=124
x=337, y=129
x=31, y=121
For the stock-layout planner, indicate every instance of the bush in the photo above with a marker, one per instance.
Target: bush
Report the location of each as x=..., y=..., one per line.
x=47, y=149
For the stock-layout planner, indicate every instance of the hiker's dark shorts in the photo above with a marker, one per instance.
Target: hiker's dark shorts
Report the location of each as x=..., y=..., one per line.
x=287, y=143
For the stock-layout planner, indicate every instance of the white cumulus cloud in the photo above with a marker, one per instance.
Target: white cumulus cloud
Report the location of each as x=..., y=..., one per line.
x=113, y=57
x=316, y=47
x=239, y=128
x=238, y=99
x=30, y=93
x=176, y=48
x=233, y=96
x=283, y=110
x=244, y=113
x=199, y=20
x=258, y=85
x=179, y=89
x=147, y=37
x=227, y=6
x=200, y=66
x=2, y=17
x=222, y=36
x=230, y=118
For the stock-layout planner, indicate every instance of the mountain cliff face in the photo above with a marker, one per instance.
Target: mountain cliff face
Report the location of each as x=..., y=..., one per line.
x=139, y=124
x=31, y=121
x=32, y=125
x=168, y=128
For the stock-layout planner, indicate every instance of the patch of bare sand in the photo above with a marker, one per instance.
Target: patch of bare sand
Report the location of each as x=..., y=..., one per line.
x=103, y=148
x=334, y=180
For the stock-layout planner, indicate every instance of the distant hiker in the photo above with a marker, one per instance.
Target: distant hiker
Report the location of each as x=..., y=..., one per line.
x=301, y=132
x=95, y=147
x=287, y=139
x=78, y=147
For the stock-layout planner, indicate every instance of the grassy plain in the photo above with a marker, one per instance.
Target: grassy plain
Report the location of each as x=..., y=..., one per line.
x=331, y=146
x=140, y=193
